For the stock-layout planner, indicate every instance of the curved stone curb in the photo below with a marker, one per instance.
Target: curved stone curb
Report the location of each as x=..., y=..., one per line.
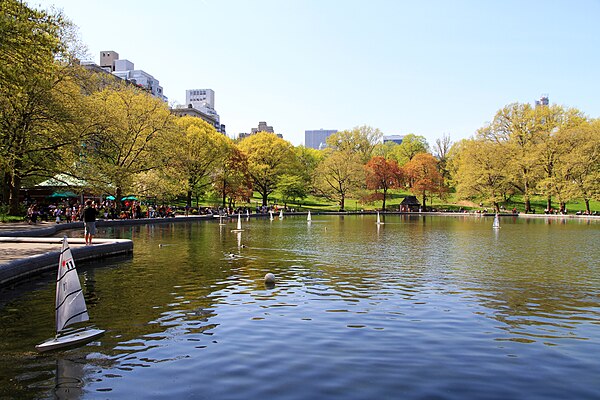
x=26, y=267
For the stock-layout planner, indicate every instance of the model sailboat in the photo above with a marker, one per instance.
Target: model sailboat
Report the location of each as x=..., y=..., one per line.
x=379, y=219
x=239, y=224
x=309, y=218
x=496, y=224
x=281, y=214
x=270, y=215
x=70, y=306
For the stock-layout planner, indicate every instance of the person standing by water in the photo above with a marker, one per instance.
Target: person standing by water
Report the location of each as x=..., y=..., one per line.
x=89, y=220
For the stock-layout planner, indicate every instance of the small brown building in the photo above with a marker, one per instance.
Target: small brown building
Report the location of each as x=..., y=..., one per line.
x=410, y=204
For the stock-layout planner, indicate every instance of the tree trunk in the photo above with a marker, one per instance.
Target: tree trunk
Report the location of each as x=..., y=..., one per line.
x=384, y=196
x=265, y=198
x=118, y=195
x=549, y=203
x=563, y=207
x=587, y=205
x=342, y=202
x=14, y=185
x=224, y=193
x=424, y=204
x=527, y=205
x=188, y=200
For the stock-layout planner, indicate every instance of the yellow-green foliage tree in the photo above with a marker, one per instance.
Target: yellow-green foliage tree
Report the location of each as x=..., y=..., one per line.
x=360, y=140
x=39, y=96
x=135, y=133
x=197, y=154
x=268, y=157
x=482, y=171
x=411, y=146
x=552, y=149
x=531, y=141
x=339, y=175
x=583, y=160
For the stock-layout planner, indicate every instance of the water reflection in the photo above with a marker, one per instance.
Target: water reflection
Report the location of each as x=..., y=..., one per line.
x=352, y=298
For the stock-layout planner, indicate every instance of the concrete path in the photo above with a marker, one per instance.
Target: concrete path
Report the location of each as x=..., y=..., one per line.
x=25, y=252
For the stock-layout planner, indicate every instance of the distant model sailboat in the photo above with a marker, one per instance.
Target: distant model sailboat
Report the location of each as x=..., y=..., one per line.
x=270, y=215
x=379, y=219
x=239, y=225
x=496, y=224
x=281, y=214
x=70, y=306
x=309, y=218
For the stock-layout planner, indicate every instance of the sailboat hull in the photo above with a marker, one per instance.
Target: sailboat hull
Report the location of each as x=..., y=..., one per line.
x=70, y=340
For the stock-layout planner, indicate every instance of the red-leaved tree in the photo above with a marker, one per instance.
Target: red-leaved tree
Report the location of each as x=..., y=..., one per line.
x=383, y=175
x=426, y=179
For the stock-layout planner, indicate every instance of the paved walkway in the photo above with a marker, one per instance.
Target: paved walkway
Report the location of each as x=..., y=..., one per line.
x=10, y=251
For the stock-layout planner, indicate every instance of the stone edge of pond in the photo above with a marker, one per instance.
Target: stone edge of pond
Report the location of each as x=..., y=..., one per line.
x=24, y=268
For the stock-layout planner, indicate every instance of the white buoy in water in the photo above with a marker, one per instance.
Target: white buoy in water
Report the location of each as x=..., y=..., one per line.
x=270, y=278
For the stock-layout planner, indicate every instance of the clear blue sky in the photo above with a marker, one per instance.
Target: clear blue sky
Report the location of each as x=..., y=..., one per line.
x=423, y=67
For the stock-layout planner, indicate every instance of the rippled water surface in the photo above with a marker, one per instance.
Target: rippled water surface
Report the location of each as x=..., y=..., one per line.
x=417, y=308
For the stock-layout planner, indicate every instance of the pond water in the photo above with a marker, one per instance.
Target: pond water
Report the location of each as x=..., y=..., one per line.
x=421, y=307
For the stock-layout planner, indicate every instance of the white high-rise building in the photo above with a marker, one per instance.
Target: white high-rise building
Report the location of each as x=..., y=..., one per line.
x=124, y=69
x=201, y=103
x=202, y=100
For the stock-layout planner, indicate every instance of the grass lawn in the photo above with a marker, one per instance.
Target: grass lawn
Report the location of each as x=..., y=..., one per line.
x=394, y=198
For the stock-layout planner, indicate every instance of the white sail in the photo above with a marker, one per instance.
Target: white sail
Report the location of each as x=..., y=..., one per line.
x=239, y=224
x=271, y=215
x=309, y=218
x=70, y=304
x=281, y=214
x=496, y=224
x=379, y=219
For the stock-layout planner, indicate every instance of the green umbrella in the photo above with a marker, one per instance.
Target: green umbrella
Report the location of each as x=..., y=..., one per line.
x=109, y=197
x=62, y=195
x=129, y=198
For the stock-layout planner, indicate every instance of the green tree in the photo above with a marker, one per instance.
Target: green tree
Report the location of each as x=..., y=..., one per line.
x=551, y=150
x=134, y=134
x=411, y=146
x=307, y=160
x=584, y=161
x=382, y=174
x=232, y=179
x=39, y=96
x=292, y=187
x=268, y=158
x=199, y=150
x=481, y=171
x=340, y=174
x=360, y=140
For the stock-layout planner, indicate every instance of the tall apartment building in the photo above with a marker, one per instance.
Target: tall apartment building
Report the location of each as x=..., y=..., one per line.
x=316, y=139
x=125, y=69
x=201, y=103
